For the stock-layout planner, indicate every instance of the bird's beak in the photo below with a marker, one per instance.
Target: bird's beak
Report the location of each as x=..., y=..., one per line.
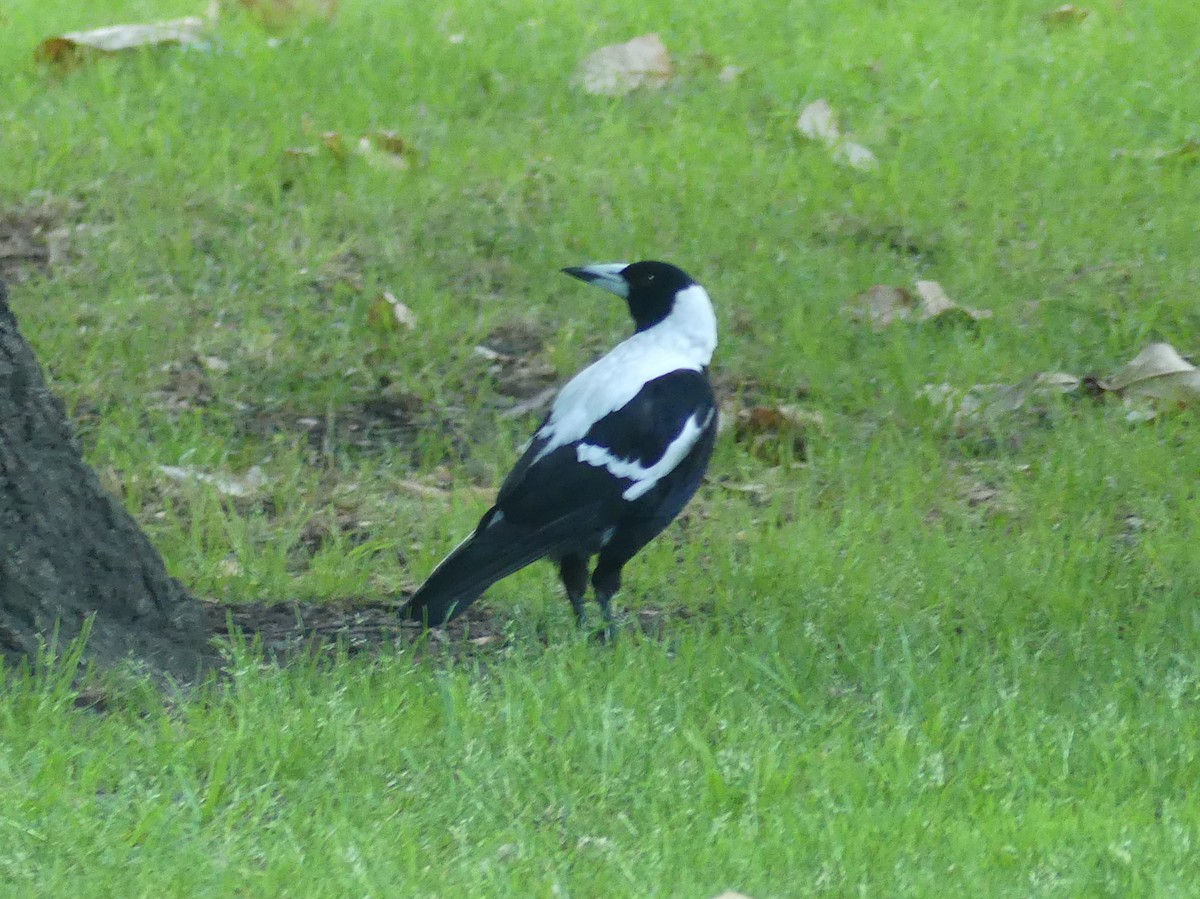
x=606, y=275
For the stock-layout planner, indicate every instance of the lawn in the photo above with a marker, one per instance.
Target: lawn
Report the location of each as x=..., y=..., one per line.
x=913, y=656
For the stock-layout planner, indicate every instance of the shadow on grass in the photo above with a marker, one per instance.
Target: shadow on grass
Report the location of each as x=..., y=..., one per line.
x=291, y=629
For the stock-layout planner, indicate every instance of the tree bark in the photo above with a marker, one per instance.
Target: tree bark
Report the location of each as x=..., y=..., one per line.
x=69, y=550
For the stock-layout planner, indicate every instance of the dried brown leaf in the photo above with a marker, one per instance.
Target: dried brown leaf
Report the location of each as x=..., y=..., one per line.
x=389, y=141
x=1066, y=14
x=383, y=150
x=934, y=300
x=883, y=305
x=1158, y=373
x=818, y=122
x=935, y=303
x=619, y=69
x=74, y=46
x=983, y=403
x=770, y=431
x=335, y=144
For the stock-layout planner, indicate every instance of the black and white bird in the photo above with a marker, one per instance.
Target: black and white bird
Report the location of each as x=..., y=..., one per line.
x=618, y=457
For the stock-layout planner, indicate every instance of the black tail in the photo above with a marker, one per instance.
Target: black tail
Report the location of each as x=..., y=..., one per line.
x=495, y=550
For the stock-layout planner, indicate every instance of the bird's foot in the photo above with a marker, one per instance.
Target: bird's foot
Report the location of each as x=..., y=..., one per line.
x=607, y=633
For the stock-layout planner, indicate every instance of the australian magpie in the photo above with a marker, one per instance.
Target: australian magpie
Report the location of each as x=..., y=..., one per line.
x=619, y=455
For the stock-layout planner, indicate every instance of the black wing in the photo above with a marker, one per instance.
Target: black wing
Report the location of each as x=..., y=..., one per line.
x=642, y=430
x=555, y=503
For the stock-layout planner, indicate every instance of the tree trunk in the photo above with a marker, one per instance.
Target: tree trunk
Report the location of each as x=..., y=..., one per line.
x=69, y=550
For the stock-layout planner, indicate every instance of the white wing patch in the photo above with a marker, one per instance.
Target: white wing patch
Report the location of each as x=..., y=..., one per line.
x=644, y=478
x=683, y=341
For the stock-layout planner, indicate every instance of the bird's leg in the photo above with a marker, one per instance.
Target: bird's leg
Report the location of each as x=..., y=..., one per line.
x=574, y=573
x=606, y=580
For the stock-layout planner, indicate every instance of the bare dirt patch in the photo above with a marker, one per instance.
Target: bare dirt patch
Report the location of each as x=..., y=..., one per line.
x=290, y=629
x=390, y=418
x=510, y=357
x=24, y=241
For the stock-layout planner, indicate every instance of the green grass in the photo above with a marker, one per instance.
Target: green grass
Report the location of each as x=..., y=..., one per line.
x=887, y=690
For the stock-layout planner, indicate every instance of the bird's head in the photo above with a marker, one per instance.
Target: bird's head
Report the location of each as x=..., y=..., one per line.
x=650, y=288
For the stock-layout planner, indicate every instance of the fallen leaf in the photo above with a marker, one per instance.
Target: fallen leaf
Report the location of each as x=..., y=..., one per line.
x=730, y=74
x=854, y=155
x=254, y=480
x=388, y=314
x=933, y=299
x=619, y=69
x=1067, y=14
x=383, y=150
x=74, y=46
x=1158, y=373
x=983, y=403
x=486, y=640
x=883, y=305
x=389, y=141
x=1056, y=382
x=818, y=122
x=335, y=144
x=935, y=303
x=769, y=429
